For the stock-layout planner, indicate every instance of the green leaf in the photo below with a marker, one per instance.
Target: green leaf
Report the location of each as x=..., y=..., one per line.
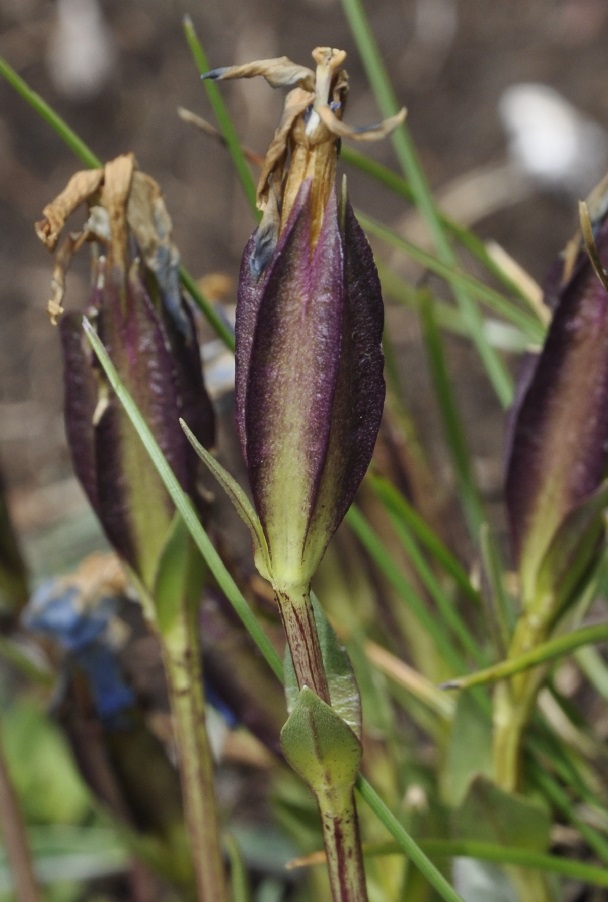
x=180, y=576
x=320, y=746
x=488, y=814
x=469, y=750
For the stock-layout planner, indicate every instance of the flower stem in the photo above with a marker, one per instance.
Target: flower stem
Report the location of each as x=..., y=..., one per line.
x=300, y=628
x=342, y=846
x=513, y=705
x=336, y=801
x=15, y=840
x=183, y=669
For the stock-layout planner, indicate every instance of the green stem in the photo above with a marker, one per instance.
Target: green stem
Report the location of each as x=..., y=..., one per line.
x=336, y=802
x=15, y=839
x=298, y=618
x=343, y=846
x=514, y=701
x=512, y=708
x=183, y=668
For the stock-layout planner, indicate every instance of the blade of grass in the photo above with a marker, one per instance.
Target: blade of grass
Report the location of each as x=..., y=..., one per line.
x=408, y=160
x=454, y=434
x=454, y=276
x=469, y=240
x=546, y=651
x=445, y=604
x=560, y=799
x=223, y=117
x=67, y=135
x=375, y=548
x=483, y=851
x=501, y=335
x=185, y=506
x=497, y=606
x=219, y=326
x=412, y=850
x=394, y=501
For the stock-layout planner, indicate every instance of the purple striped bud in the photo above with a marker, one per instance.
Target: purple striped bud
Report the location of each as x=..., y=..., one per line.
x=147, y=328
x=309, y=363
x=558, y=457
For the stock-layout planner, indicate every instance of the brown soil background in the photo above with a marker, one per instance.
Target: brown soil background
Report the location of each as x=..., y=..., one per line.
x=450, y=86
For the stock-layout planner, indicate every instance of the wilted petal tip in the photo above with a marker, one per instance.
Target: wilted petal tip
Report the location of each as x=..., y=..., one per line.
x=214, y=74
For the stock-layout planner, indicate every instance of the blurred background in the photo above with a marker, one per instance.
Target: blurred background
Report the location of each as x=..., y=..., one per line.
x=506, y=103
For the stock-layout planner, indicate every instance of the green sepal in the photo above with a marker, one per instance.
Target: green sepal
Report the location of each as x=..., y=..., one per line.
x=240, y=501
x=572, y=552
x=179, y=577
x=343, y=689
x=320, y=746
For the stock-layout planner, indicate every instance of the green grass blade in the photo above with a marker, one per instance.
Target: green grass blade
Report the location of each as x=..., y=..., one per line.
x=185, y=507
x=408, y=160
x=223, y=117
x=446, y=605
x=546, y=651
x=411, y=848
x=500, y=334
x=219, y=326
x=560, y=799
x=498, y=613
x=67, y=135
x=454, y=433
x=482, y=851
x=468, y=239
x=396, y=502
x=384, y=561
x=456, y=277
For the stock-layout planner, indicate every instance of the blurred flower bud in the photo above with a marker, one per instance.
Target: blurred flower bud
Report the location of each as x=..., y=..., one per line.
x=147, y=328
x=121, y=759
x=309, y=380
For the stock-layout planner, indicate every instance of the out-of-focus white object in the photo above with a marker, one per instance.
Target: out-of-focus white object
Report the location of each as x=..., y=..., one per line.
x=551, y=141
x=82, y=53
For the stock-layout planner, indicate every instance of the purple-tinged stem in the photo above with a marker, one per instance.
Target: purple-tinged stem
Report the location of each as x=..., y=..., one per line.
x=298, y=619
x=343, y=847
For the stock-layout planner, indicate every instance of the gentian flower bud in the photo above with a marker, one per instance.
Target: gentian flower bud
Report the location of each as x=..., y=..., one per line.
x=558, y=457
x=309, y=364
x=139, y=312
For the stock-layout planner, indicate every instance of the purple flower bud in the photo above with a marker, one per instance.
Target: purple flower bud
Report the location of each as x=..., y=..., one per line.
x=559, y=444
x=147, y=328
x=309, y=363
